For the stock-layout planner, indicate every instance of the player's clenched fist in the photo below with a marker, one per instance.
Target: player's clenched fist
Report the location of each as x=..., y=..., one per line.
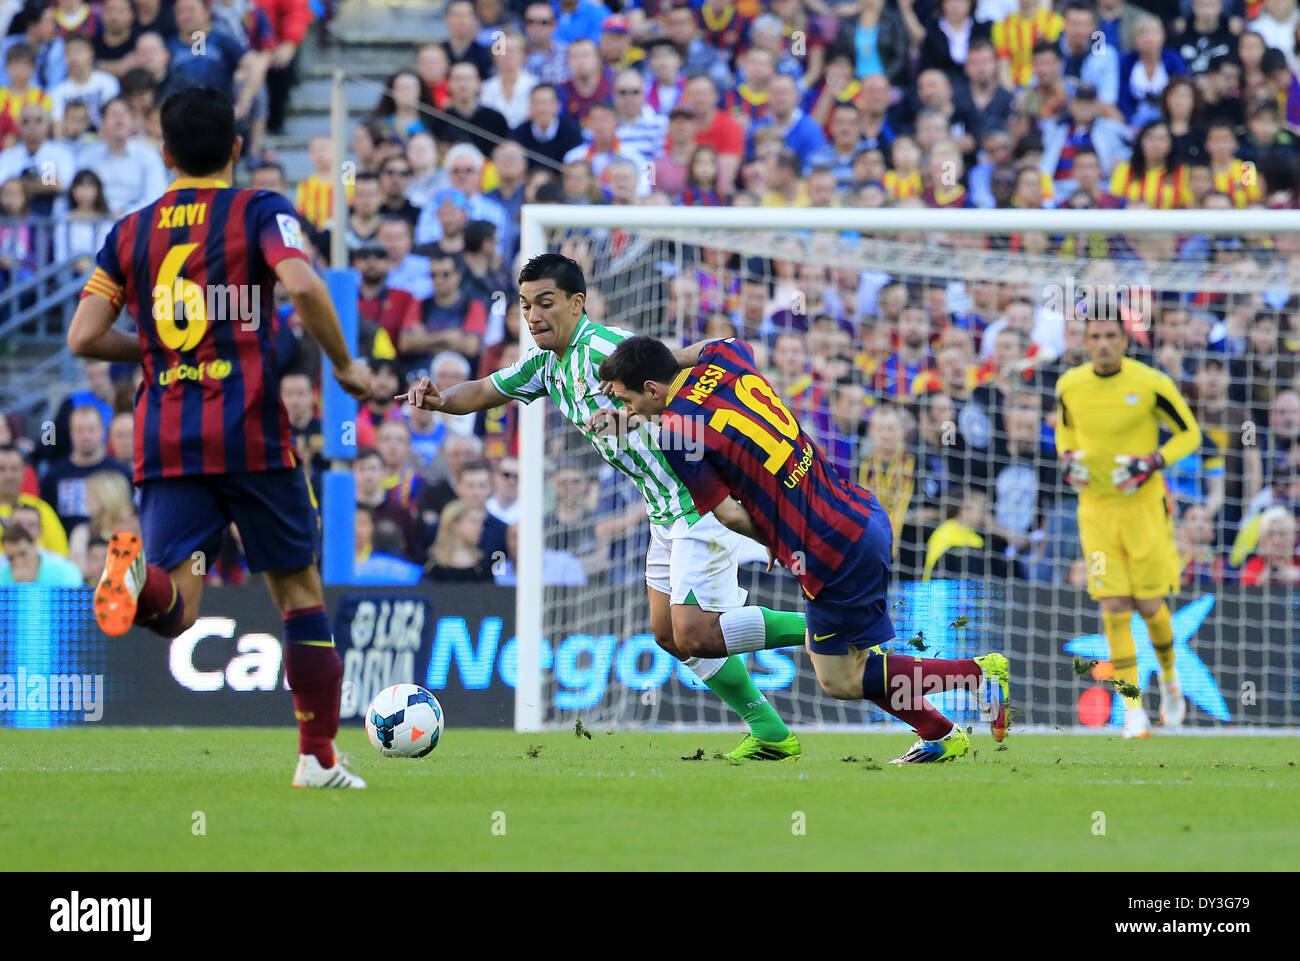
x=355, y=379
x=423, y=393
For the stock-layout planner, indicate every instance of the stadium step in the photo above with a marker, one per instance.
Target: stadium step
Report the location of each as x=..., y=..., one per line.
x=393, y=22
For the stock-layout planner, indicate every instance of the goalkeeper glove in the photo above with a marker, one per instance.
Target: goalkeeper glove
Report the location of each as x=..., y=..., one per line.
x=1076, y=471
x=1133, y=472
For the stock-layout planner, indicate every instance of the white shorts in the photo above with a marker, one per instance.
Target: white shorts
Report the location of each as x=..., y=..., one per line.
x=700, y=559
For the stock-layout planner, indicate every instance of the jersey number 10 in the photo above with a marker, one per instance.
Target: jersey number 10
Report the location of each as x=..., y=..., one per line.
x=757, y=395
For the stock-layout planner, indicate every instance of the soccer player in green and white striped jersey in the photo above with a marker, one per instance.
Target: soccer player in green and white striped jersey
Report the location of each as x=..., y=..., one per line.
x=696, y=602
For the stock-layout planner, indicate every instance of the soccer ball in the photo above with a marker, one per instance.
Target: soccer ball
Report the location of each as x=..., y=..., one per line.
x=404, y=720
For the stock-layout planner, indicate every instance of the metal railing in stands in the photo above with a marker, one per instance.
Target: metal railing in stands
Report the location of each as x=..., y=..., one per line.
x=40, y=283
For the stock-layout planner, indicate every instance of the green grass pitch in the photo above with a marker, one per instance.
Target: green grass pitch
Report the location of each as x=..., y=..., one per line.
x=127, y=799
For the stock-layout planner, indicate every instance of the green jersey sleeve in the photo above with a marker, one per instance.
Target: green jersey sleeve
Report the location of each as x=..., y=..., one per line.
x=523, y=380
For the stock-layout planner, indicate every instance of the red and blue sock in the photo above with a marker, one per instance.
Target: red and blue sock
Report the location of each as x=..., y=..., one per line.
x=160, y=606
x=898, y=683
x=314, y=671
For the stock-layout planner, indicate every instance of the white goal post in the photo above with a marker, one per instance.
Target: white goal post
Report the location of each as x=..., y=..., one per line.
x=757, y=232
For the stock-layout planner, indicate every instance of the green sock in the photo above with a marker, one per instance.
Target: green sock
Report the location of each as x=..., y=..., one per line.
x=783, y=629
x=734, y=685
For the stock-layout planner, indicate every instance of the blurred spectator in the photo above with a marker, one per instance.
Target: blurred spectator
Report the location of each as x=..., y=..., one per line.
x=428, y=431
x=114, y=38
x=1274, y=561
x=1207, y=36
x=23, y=86
x=304, y=426
x=110, y=508
x=451, y=320
x=965, y=545
x=64, y=484
x=403, y=270
x=697, y=58
x=472, y=484
x=153, y=80
x=84, y=83
x=385, y=563
x=455, y=555
x=315, y=194
x=426, y=177
x=461, y=44
x=132, y=172
x=510, y=90
x=44, y=166
x=580, y=19
x=448, y=369
x=482, y=274
x=386, y=382
x=212, y=59
x=948, y=37
x=547, y=132
x=1202, y=565
x=92, y=568
x=379, y=304
x=1276, y=23
x=401, y=481
x=504, y=502
x=404, y=106
x=154, y=16
x=715, y=128
x=544, y=54
x=508, y=194
x=368, y=473
x=80, y=238
x=25, y=563
x=639, y=128
x=394, y=176
x=12, y=469
x=121, y=436
x=35, y=28
x=879, y=37
x=468, y=120
x=289, y=21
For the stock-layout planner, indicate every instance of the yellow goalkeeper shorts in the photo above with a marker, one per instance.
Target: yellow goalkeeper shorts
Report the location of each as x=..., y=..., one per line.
x=1128, y=544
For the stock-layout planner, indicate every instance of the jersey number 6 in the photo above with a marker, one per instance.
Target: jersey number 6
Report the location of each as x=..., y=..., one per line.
x=171, y=289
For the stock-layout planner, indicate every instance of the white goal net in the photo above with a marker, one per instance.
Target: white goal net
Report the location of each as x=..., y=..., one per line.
x=924, y=364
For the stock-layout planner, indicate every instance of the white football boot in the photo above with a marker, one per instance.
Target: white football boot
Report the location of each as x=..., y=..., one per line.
x=310, y=773
x=1136, y=723
x=1173, y=706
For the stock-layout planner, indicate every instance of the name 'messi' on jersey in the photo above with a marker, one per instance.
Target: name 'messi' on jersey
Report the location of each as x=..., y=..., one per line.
x=572, y=381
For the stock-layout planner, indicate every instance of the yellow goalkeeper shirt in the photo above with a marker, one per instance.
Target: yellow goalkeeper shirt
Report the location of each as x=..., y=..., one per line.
x=1101, y=417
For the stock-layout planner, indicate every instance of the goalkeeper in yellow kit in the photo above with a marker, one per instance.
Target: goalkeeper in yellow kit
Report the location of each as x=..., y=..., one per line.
x=1108, y=419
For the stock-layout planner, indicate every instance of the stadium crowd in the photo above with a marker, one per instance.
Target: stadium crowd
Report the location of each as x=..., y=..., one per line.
x=933, y=391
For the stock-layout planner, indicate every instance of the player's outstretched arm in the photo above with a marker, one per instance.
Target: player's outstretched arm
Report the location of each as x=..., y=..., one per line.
x=688, y=357
x=467, y=398
x=311, y=298
x=91, y=334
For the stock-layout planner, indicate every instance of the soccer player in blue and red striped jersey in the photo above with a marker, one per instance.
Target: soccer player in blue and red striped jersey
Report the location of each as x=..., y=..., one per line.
x=196, y=270
x=733, y=442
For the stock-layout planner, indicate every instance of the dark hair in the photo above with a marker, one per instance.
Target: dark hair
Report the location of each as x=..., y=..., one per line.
x=545, y=86
x=1078, y=5
x=100, y=204
x=387, y=538
x=1198, y=102
x=1102, y=313
x=566, y=273
x=637, y=360
x=386, y=106
x=1046, y=46
x=20, y=51
x=272, y=165
x=1138, y=161
x=16, y=534
x=198, y=126
x=78, y=38
x=137, y=80
x=478, y=464
x=478, y=232
x=366, y=453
